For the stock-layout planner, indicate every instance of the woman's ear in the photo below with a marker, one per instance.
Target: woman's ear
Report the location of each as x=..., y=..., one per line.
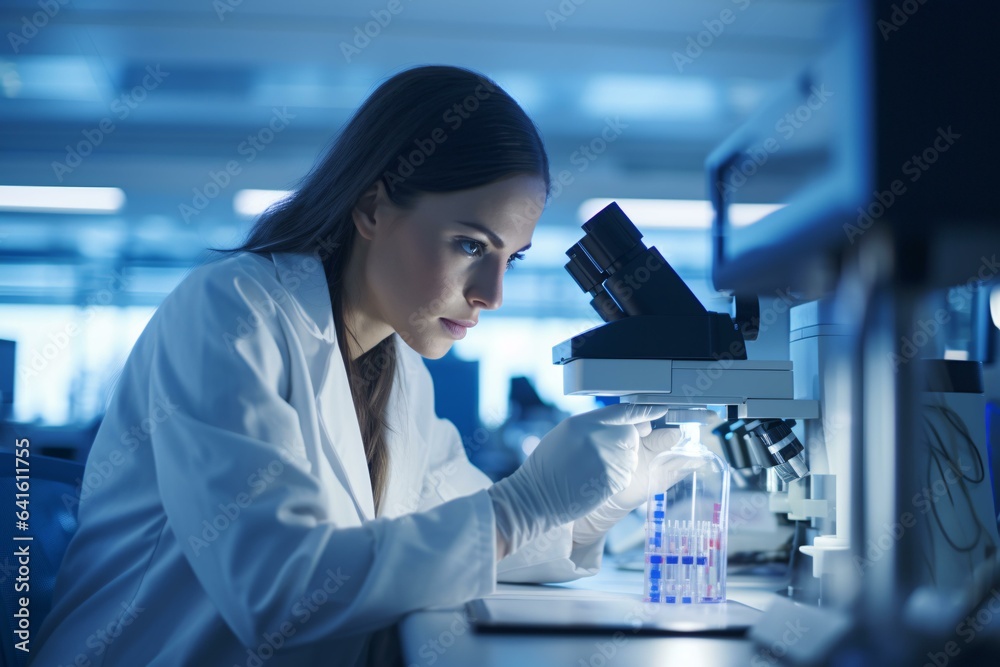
x=366, y=209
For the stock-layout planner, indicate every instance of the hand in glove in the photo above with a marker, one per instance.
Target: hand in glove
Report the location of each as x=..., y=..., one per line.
x=593, y=526
x=579, y=464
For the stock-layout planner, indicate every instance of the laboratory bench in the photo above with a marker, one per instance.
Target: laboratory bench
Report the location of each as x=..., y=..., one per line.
x=445, y=637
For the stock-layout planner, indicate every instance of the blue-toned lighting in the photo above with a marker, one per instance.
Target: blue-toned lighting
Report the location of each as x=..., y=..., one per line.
x=254, y=202
x=660, y=97
x=676, y=213
x=52, y=199
x=72, y=78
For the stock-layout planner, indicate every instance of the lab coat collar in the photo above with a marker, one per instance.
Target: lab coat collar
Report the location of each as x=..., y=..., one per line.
x=303, y=276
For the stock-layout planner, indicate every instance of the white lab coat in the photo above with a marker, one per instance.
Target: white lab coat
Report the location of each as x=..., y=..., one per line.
x=227, y=511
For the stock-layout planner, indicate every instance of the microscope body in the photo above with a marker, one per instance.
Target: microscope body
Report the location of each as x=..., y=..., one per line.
x=659, y=345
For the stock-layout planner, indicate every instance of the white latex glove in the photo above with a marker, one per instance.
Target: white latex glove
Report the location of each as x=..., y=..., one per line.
x=593, y=526
x=579, y=464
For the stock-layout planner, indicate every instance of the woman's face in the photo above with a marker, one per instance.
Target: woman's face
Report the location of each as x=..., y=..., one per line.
x=430, y=269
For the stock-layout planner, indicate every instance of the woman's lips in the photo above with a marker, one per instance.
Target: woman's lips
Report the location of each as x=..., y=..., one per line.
x=457, y=329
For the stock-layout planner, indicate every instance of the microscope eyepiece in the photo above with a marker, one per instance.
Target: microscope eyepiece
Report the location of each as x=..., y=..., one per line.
x=612, y=240
x=591, y=280
x=626, y=278
x=584, y=271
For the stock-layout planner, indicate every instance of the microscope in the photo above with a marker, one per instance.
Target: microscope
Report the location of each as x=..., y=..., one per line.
x=659, y=345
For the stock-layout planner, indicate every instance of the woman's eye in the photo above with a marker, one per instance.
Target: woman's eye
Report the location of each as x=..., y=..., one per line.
x=477, y=247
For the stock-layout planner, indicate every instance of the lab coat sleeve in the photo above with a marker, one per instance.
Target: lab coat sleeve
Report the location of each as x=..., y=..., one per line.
x=552, y=557
x=252, y=521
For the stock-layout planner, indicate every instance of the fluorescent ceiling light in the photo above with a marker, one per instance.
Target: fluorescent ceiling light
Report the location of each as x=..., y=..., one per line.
x=254, y=202
x=73, y=78
x=651, y=97
x=51, y=199
x=676, y=213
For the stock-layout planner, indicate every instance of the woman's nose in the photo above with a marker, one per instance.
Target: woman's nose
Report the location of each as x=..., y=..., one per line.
x=487, y=289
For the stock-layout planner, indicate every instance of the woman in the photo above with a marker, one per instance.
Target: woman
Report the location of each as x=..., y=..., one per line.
x=270, y=482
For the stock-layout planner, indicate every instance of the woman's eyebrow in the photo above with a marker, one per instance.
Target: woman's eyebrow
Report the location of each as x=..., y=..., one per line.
x=494, y=239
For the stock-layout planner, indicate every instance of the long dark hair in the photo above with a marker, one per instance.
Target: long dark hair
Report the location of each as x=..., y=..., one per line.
x=427, y=129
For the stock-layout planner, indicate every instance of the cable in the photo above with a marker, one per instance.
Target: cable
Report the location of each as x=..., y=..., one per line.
x=951, y=416
x=934, y=456
x=937, y=517
x=960, y=426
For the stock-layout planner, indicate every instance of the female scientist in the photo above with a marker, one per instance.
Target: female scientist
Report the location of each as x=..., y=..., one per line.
x=270, y=484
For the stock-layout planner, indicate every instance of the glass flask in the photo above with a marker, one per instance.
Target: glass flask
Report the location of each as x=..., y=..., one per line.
x=686, y=523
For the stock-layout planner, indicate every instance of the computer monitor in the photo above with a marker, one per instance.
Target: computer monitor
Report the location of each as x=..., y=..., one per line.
x=892, y=128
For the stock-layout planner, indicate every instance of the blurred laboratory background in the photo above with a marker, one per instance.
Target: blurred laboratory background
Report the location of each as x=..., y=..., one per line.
x=135, y=135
